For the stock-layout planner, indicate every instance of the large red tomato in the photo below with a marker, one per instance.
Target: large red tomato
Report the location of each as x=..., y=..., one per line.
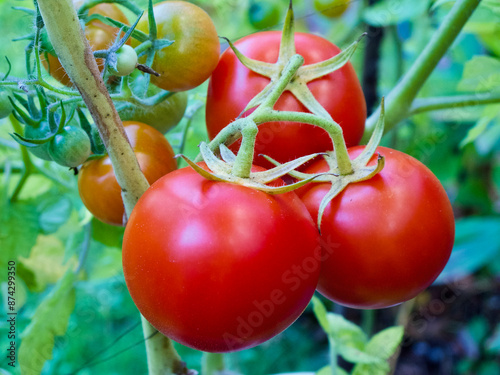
x=385, y=239
x=232, y=86
x=218, y=266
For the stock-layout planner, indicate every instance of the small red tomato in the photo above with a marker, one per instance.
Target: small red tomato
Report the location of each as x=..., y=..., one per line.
x=97, y=184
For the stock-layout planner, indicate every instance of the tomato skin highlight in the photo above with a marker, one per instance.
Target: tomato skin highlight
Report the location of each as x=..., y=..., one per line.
x=97, y=184
x=232, y=86
x=389, y=237
x=217, y=266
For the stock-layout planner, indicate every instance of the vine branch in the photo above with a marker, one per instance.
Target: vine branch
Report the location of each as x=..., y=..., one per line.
x=400, y=99
x=76, y=56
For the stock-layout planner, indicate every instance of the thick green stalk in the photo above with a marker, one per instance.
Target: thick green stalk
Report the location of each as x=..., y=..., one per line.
x=212, y=363
x=75, y=54
x=243, y=163
x=333, y=355
x=400, y=99
x=449, y=102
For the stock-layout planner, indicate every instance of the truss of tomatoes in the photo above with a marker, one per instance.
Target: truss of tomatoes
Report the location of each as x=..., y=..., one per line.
x=222, y=267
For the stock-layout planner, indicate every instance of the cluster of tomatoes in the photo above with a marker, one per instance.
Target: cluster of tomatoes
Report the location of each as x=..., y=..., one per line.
x=219, y=266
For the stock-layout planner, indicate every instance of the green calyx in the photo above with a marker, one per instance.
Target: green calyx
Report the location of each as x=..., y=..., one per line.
x=298, y=85
x=361, y=171
x=222, y=170
x=287, y=74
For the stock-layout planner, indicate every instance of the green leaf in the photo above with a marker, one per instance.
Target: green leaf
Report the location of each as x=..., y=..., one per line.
x=372, y=369
x=106, y=234
x=327, y=370
x=18, y=231
x=355, y=355
x=45, y=264
x=349, y=339
x=49, y=320
x=346, y=332
x=493, y=343
x=492, y=5
x=481, y=74
x=385, y=343
x=476, y=243
x=321, y=314
x=107, y=263
x=475, y=131
x=392, y=12
x=54, y=213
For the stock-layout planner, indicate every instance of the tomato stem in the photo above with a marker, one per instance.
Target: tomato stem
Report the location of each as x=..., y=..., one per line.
x=400, y=99
x=422, y=105
x=29, y=167
x=243, y=164
x=212, y=363
x=333, y=354
x=75, y=54
x=331, y=127
x=143, y=47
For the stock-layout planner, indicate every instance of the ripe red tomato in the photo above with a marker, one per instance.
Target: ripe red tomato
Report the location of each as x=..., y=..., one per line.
x=217, y=266
x=388, y=237
x=97, y=183
x=99, y=35
x=190, y=60
x=232, y=86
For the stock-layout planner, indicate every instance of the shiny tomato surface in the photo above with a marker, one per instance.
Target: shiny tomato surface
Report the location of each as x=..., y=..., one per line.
x=218, y=266
x=232, y=86
x=385, y=239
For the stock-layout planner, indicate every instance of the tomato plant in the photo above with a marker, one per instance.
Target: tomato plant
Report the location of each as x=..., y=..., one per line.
x=390, y=236
x=331, y=8
x=218, y=266
x=97, y=183
x=99, y=35
x=190, y=60
x=70, y=147
x=232, y=86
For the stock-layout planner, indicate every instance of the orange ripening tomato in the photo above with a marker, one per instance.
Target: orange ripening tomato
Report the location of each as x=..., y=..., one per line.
x=99, y=35
x=193, y=56
x=97, y=183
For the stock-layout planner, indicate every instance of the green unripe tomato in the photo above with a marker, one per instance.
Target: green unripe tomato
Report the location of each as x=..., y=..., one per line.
x=126, y=61
x=161, y=116
x=331, y=8
x=5, y=106
x=264, y=14
x=71, y=147
x=43, y=130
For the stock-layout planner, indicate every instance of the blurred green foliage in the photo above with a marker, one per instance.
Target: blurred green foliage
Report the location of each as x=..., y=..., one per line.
x=47, y=228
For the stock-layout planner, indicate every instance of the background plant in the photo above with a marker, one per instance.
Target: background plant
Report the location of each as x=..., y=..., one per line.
x=45, y=227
